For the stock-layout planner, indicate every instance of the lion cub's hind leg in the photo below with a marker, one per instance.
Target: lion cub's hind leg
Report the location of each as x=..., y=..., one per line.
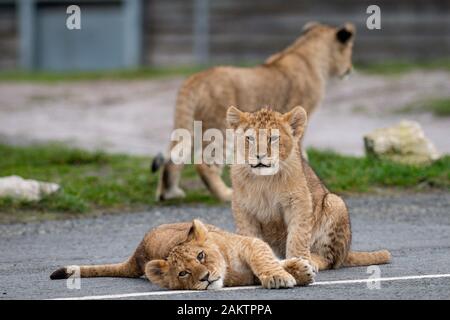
x=331, y=242
x=320, y=262
x=169, y=180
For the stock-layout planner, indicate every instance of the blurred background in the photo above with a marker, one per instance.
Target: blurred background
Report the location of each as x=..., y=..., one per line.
x=83, y=113
x=110, y=88
x=130, y=33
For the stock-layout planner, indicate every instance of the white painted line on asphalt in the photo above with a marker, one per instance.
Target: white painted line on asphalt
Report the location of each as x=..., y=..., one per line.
x=320, y=283
x=426, y=276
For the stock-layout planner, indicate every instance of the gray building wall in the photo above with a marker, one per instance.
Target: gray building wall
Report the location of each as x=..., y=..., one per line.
x=251, y=30
x=9, y=39
x=36, y=37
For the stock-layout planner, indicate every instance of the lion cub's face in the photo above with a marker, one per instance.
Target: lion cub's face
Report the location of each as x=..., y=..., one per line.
x=269, y=138
x=195, y=264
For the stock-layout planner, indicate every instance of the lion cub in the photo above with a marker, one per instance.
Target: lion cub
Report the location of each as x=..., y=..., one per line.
x=296, y=75
x=290, y=208
x=195, y=256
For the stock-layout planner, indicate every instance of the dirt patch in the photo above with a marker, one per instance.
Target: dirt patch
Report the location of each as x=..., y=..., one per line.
x=136, y=116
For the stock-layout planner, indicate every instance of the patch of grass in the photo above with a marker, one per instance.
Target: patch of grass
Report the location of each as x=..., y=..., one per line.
x=382, y=68
x=401, y=67
x=96, y=182
x=124, y=74
x=90, y=181
x=439, y=107
x=59, y=202
x=347, y=174
x=140, y=73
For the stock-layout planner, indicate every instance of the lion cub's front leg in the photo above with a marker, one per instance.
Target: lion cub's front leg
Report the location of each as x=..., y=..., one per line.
x=298, y=219
x=265, y=266
x=301, y=269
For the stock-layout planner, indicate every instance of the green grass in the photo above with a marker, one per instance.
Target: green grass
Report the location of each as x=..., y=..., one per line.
x=347, y=174
x=140, y=73
x=439, y=107
x=91, y=181
x=384, y=68
x=124, y=74
x=96, y=182
x=401, y=67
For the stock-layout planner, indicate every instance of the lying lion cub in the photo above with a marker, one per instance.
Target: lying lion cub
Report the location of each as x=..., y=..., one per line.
x=194, y=256
x=290, y=208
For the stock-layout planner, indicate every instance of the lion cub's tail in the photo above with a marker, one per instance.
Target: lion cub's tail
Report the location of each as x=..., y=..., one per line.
x=356, y=258
x=127, y=269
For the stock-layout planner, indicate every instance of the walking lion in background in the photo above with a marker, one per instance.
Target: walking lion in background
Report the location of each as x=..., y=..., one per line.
x=295, y=76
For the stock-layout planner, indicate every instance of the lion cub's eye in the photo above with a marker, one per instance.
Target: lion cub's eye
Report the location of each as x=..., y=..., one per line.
x=273, y=139
x=250, y=139
x=201, y=256
x=183, y=274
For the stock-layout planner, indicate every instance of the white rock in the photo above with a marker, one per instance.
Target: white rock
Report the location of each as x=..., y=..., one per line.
x=31, y=190
x=404, y=143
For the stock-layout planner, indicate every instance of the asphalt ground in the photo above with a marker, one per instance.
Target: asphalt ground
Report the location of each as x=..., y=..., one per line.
x=414, y=227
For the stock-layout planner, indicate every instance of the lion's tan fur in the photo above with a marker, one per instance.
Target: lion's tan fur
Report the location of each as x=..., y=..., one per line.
x=292, y=210
x=296, y=75
x=229, y=260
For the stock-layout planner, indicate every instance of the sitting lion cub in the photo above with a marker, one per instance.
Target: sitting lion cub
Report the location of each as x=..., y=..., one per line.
x=278, y=198
x=194, y=256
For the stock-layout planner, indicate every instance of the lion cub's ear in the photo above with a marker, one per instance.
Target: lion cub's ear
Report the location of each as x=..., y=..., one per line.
x=346, y=33
x=297, y=120
x=198, y=232
x=155, y=271
x=309, y=25
x=234, y=117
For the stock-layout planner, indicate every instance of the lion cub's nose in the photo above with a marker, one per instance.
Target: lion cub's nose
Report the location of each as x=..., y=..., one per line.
x=260, y=156
x=205, y=277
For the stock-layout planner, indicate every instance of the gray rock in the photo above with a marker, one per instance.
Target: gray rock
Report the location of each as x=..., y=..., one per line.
x=404, y=143
x=31, y=190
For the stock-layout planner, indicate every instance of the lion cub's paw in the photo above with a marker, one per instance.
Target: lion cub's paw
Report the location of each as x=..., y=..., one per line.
x=302, y=269
x=173, y=193
x=277, y=280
